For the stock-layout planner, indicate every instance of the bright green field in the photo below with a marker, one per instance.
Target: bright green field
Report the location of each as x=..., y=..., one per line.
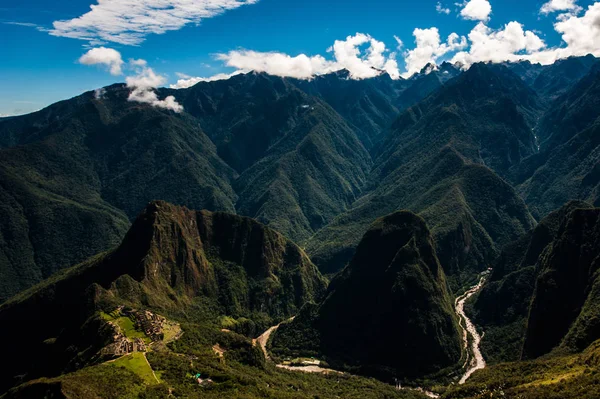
x=136, y=362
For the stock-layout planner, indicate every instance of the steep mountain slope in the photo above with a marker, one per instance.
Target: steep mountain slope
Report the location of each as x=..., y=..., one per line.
x=527, y=71
x=245, y=115
x=308, y=177
x=553, y=80
x=433, y=164
x=487, y=113
x=566, y=301
x=502, y=307
x=368, y=105
x=173, y=260
x=77, y=171
x=301, y=164
x=567, y=166
x=556, y=79
x=389, y=311
x=371, y=105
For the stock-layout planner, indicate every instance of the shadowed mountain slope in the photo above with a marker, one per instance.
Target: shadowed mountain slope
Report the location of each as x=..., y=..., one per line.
x=172, y=259
x=568, y=165
x=433, y=163
x=81, y=168
x=502, y=306
x=566, y=300
x=389, y=311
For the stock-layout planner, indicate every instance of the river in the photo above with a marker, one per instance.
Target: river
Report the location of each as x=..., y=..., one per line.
x=474, y=359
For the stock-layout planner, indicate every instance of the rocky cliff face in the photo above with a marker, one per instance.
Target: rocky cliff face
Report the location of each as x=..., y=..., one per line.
x=239, y=262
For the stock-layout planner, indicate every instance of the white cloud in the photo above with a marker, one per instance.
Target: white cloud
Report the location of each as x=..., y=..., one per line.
x=441, y=9
x=104, y=56
x=559, y=5
x=346, y=53
x=399, y=43
x=430, y=48
x=581, y=36
x=509, y=44
x=130, y=21
x=278, y=64
x=99, y=93
x=477, y=10
x=186, y=81
x=143, y=84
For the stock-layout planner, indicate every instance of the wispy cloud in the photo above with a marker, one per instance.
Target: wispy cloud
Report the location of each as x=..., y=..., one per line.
x=560, y=5
x=26, y=25
x=128, y=22
x=142, y=87
x=439, y=7
x=186, y=81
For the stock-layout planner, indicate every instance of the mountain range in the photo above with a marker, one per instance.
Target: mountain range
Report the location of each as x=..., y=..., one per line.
x=233, y=216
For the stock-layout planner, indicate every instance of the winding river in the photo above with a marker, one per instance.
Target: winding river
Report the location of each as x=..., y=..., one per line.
x=474, y=359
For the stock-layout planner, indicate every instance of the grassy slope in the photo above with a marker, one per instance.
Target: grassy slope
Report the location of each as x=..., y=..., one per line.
x=242, y=373
x=557, y=377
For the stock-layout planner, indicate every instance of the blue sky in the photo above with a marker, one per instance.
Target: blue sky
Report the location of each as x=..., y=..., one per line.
x=38, y=67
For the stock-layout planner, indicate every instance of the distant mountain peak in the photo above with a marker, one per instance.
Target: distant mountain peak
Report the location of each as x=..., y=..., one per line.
x=427, y=69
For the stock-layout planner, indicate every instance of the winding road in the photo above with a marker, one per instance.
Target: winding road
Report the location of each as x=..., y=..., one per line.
x=308, y=368
x=474, y=359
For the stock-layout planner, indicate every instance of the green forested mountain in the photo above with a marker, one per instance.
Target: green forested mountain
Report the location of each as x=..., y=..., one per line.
x=389, y=312
x=566, y=300
x=567, y=165
x=540, y=310
x=290, y=153
x=172, y=260
x=403, y=191
x=502, y=307
x=442, y=160
x=75, y=173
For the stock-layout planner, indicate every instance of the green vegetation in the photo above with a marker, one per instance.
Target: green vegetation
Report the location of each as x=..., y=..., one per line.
x=137, y=363
x=77, y=172
x=567, y=166
x=388, y=314
x=126, y=325
x=242, y=373
x=465, y=157
x=444, y=160
x=187, y=265
x=556, y=377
